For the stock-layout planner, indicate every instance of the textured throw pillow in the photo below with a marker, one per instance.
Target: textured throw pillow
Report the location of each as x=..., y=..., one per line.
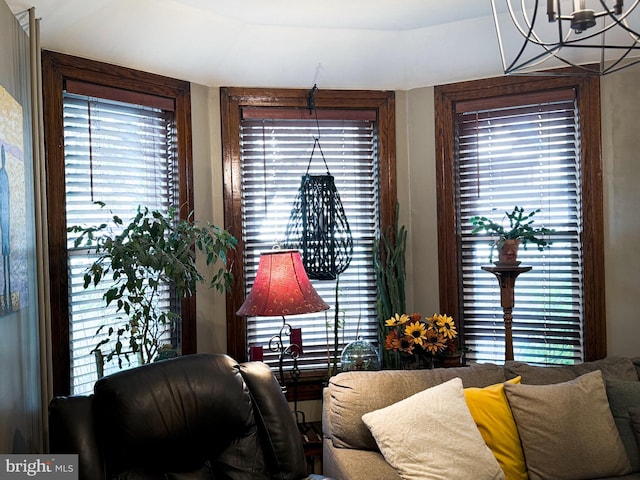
x=567, y=430
x=623, y=397
x=490, y=410
x=432, y=436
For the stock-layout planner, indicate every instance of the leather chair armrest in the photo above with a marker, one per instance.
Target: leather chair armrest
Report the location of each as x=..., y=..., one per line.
x=71, y=430
x=273, y=415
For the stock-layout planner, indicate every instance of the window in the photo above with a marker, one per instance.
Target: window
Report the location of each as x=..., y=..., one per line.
x=535, y=144
x=123, y=144
x=267, y=149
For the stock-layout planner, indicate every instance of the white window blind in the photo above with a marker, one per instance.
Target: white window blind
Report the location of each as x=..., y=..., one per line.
x=275, y=155
x=525, y=154
x=121, y=154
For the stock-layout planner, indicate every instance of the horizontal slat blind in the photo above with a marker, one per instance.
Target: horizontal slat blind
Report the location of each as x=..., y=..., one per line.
x=123, y=155
x=275, y=156
x=525, y=155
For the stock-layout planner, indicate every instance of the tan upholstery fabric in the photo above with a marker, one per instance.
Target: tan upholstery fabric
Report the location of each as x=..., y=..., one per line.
x=352, y=394
x=347, y=463
x=567, y=429
x=615, y=368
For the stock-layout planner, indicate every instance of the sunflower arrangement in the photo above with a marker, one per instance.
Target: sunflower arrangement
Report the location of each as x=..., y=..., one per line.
x=411, y=335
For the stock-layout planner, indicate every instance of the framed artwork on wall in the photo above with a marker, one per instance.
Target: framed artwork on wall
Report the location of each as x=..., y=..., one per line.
x=14, y=285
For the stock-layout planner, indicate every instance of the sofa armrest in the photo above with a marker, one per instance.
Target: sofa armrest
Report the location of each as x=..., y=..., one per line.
x=354, y=464
x=71, y=430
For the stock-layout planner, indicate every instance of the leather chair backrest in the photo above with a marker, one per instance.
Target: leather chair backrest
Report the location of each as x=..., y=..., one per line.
x=174, y=416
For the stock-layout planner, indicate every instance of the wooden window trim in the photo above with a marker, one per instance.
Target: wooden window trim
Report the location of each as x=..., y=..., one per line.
x=57, y=68
x=588, y=97
x=232, y=101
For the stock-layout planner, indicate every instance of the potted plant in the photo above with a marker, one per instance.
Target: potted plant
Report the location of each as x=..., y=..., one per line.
x=519, y=231
x=390, y=273
x=141, y=258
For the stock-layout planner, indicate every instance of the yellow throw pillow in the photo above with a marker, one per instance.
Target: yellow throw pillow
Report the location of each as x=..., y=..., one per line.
x=490, y=410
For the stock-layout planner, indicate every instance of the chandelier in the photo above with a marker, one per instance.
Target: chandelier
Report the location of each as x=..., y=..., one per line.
x=594, y=37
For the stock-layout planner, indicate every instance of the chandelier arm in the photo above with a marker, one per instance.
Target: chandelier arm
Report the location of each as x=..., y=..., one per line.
x=530, y=35
x=617, y=20
x=538, y=59
x=526, y=36
x=550, y=49
x=622, y=21
x=577, y=41
x=528, y=32
x=500, y=46
x=597, y=33
x=610, y=70
x=632, y=33
x=615, y=16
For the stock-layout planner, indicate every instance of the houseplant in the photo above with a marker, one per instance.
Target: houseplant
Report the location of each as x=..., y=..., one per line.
x=390, y=272
x=139, y=259
x=519, y=231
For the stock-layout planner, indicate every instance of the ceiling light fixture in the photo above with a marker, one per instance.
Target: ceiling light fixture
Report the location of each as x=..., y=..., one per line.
x=595, y=37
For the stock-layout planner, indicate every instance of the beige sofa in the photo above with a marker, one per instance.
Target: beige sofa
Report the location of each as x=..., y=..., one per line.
x=350, y=451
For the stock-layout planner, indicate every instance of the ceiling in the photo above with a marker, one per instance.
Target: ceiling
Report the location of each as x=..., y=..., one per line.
x=372, y=44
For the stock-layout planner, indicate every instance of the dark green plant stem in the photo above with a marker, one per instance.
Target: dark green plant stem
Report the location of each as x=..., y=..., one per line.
x=389, y=267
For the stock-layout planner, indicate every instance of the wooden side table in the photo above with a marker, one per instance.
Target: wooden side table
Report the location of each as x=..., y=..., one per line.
x=311, y=434
x=506, y=275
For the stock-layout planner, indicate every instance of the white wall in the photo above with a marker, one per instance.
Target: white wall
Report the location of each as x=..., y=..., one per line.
x=620, y=97
x=208, y=198
x=421, y=184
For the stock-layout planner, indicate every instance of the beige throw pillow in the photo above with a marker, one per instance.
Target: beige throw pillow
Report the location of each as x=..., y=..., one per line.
x=567, y=429
x=432, y=436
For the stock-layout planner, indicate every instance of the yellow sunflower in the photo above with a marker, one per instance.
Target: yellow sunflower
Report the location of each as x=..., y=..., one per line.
x=397, y=320
x=417, y=331
x=446, y=326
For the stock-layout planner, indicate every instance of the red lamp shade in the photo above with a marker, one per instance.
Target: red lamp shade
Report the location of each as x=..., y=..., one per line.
x=281, y=287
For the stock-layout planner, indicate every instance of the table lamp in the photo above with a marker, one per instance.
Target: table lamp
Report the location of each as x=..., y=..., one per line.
x=282, y=287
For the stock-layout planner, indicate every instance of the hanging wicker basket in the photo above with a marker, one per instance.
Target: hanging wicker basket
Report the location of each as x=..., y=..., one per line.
x=318, y=227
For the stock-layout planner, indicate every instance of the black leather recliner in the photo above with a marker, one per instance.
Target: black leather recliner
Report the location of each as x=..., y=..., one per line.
x=195, y=417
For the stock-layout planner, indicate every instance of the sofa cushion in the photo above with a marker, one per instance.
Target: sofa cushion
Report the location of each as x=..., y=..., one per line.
x=567, y=429
x=490, y=410
x=616, y=368
x=623, y=397
x=352, y=394
x=634, y=416
x=431, y=435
